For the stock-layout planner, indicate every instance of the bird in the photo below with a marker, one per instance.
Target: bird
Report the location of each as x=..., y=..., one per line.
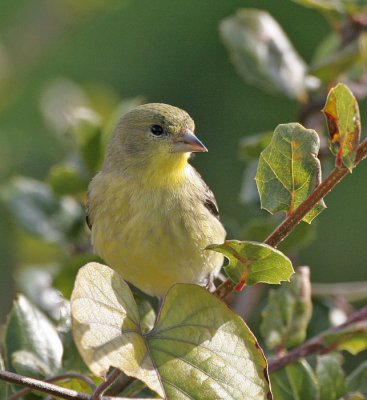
x=150, y=213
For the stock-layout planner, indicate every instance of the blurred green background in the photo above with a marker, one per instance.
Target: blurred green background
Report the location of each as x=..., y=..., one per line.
x=162, y=51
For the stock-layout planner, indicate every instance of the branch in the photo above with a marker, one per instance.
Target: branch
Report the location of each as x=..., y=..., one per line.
x=315, y=345
x=56, y=378
x=287, y=226
x=54, y=390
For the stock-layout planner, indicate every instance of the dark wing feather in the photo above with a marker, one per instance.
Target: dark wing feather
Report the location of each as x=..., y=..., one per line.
x=87, y=217
x=208, y=199
x=210, y=203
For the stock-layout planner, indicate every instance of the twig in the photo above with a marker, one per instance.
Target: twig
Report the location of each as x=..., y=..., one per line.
x=56, y=378
x=49, y=388
x=316, y=345
x=286, y=227
x=105, y=384
x=45, y=387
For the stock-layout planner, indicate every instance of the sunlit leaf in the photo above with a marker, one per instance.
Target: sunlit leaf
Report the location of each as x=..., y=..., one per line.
x=330, y=377
x=252, y=262
x=342, y=115
x=295, y=381
x=146, y=313
x=289, y=170
x=357, y=380
x=32, y=344
x=198, y=348
x=262, y=53
x=352, y=338
x=288, y=312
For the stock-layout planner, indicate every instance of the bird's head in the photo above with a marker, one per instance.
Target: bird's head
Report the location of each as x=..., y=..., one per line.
x=153, y=136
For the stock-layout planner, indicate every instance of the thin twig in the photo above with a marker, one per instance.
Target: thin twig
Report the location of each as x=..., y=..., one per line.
x=41, y=386
x=316, y=345
x=54, y=390
x=56, y=378
x=97, y=394
x=287, y=226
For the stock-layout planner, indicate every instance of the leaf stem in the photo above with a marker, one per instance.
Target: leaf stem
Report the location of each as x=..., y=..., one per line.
x=292, y=220
x=97, y=394
x=316, y=344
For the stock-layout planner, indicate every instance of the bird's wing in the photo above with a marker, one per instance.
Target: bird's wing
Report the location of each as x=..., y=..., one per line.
x=208, y=198
x=87, y=215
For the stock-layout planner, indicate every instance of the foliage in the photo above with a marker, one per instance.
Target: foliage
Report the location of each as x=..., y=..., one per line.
x=192, y=346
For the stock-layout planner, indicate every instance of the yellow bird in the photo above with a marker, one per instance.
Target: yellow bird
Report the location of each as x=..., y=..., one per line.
x=150, y=213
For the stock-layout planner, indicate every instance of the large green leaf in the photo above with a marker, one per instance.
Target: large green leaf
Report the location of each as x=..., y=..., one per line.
x=342, y=115
x=198, y=348
x=330, y=377
x=262, y=53
x=32, y=345
x=252, y=262
x=289, y=170
x=296, y=381
x=288, y=312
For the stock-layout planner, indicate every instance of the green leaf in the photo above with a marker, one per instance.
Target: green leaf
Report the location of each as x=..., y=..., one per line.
x=66, y=179
x=288, y=312
x=38, y=211
x=289, y=170
x=342, y=115
x=3, y=385
x=198, y=348
x=331, y=377
x=352, y=338
x=296, y=381
x=32, y=344
x=357, y=380
x=252, y=262
x=262, y=53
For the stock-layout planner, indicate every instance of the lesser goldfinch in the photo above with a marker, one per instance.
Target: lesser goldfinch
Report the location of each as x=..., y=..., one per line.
x=150, y=212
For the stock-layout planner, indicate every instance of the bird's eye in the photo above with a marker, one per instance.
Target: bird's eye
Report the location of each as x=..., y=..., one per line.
x=157, y=130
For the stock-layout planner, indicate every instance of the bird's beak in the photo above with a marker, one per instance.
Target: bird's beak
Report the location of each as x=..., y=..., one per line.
x=188, y=143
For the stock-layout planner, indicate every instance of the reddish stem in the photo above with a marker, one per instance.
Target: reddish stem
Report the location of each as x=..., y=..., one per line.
x=292, y=220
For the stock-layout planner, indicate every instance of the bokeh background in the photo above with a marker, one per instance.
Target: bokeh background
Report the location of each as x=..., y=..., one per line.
x=56, y=52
